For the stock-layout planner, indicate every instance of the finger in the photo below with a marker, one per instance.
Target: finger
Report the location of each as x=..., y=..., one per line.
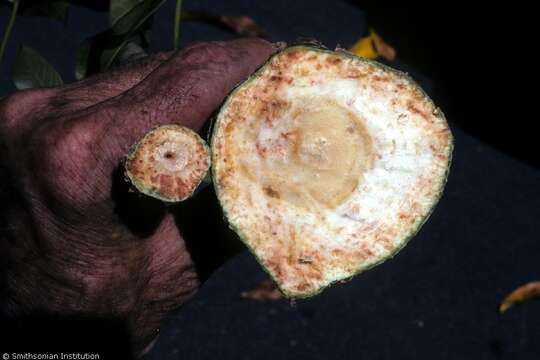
x=184, y=90
x=100, y=87
x=23, y=109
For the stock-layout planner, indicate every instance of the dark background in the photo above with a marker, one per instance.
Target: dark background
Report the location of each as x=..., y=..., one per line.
x=438, y=298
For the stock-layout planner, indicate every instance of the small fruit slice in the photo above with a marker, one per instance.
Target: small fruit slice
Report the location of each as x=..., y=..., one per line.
x=168, y=163
x=325, y=164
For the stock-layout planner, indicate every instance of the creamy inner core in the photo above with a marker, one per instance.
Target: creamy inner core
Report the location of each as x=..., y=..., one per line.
x=315, y=154
x=172, y=156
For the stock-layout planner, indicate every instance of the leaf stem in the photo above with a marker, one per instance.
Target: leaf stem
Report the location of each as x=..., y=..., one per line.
x=177, y=18
x=8, y=28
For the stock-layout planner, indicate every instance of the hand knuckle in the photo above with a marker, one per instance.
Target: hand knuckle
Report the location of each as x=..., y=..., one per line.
x=203, y=52
x=18, y=106
x=60, y=155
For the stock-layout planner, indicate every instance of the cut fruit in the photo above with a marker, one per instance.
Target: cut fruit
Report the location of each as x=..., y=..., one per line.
x=169, y=163
x=325, y=164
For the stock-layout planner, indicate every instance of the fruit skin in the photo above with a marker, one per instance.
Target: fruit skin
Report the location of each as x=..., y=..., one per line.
x=315, y=46
x=153, y=192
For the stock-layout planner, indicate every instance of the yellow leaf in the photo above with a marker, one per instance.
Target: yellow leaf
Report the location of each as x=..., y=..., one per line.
x=372, y=47
x=523, y=293
x=364, y=48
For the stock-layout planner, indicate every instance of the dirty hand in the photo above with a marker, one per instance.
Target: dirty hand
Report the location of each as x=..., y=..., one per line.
x=74, y=242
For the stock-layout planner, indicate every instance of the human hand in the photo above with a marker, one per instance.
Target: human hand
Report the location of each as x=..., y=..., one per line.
x=74, y=241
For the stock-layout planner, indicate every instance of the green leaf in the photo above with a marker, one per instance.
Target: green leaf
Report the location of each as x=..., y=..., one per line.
x=82, y=55
x=119, y=8
x=145, y=33
x=146, y=37
x=58, y=10
x=126, y=26
x=31, y=70
x=131, y=52
x=135, y=18
x=54, y=9
x=105, y=46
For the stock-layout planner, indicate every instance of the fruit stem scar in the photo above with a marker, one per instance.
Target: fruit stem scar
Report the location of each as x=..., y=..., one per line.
x=172, y=155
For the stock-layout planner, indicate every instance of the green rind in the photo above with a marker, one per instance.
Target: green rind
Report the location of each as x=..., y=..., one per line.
x=419, y=222
x=149, y=192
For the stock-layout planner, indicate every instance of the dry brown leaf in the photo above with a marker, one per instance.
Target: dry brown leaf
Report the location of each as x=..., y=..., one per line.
x=265, y=290
x=372, y=47
x=240, y=25
x=523, y=293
